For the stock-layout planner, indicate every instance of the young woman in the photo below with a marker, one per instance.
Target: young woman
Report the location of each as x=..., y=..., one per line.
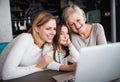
x=24, y=54
x=83, y=34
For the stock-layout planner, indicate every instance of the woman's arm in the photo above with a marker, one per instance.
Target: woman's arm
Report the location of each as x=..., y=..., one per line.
x=11, y=68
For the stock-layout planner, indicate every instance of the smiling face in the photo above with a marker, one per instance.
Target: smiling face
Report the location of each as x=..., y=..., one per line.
x=76, y=22
x=64, y=35
x=47, y=31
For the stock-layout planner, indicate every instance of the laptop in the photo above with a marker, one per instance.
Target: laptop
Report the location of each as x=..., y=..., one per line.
x=97, y=64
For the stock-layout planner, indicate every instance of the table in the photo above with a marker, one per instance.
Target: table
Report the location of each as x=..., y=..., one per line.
x=43, y=76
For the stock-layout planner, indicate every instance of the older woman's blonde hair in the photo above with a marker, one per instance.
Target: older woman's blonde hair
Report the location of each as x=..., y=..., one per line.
x=41, y=18
x=71, y=9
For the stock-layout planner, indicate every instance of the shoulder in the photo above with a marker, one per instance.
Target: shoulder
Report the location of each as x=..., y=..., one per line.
x=97, y=24
x=97, y=27
x=22, y=40
x=24, y=37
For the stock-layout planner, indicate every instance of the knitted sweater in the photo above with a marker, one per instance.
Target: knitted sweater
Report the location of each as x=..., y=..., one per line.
x=96, y=37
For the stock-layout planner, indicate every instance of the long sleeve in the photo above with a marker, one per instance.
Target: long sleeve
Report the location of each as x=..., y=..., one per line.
x=74, y=53
x=74, y=57
x=48, y=49
x=12, y=68
x=54, y=66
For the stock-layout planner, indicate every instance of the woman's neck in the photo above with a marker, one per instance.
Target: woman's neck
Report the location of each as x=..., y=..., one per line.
x=87, y=32
x=40, y=45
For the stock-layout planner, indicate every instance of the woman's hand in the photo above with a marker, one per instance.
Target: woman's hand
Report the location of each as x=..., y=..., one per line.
x=44, y=61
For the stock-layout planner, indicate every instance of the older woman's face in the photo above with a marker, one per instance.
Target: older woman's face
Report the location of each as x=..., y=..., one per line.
x=47, y=31
x=76, y=22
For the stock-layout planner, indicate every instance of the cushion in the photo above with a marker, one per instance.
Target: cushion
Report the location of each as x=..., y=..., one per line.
x=3, y=45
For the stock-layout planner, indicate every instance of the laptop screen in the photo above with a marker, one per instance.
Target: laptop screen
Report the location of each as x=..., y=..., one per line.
x=99, y=63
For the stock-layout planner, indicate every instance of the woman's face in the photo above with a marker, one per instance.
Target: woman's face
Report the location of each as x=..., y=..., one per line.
x=47, y=31
x=64, y=36
x=76, y=22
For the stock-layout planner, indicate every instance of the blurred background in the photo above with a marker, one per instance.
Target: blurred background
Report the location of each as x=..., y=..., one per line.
x=16, y=16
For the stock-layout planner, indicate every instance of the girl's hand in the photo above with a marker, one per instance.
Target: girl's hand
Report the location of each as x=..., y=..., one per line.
x=68, y=43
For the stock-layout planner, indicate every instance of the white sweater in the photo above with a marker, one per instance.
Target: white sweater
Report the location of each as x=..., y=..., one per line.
x=73, y=57
x=20, y=57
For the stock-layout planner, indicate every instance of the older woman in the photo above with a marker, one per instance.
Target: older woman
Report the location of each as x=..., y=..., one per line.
x=83, y=34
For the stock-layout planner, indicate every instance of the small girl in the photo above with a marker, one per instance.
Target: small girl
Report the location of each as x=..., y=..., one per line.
x=64, y=51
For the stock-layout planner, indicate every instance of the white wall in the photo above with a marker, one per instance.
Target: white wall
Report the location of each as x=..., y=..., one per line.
x=5, y=21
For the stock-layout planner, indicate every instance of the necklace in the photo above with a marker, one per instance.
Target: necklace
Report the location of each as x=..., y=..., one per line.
x=60, y=57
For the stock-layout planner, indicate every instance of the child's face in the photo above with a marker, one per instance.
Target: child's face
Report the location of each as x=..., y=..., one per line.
x=64, y=36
